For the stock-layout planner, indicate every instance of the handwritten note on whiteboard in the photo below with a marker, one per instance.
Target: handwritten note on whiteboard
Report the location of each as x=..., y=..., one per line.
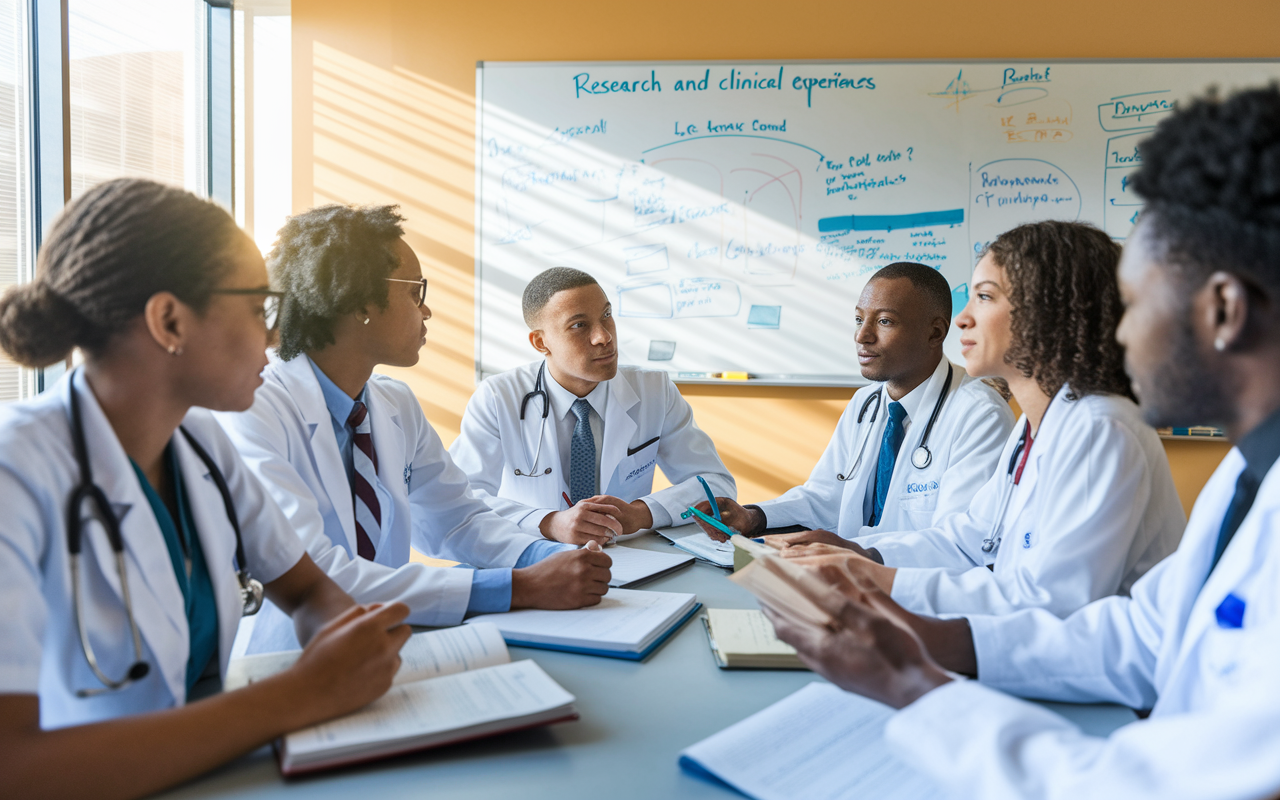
x=734, y=211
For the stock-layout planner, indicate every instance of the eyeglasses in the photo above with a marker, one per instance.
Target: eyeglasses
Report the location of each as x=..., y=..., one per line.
x=270, y=303
x=422, y=290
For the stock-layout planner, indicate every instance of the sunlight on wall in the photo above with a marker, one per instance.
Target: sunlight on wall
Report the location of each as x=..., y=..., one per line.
x=383, y=136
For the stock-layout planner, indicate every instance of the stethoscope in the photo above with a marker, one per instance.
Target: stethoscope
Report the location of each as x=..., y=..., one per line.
x=539, y=391
x=922, y=456
x=250, y=589
x=997, y=528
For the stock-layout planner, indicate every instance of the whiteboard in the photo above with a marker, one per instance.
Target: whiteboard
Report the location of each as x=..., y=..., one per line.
x=733, y=211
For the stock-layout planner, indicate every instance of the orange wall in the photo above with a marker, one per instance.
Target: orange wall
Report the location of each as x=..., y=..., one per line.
x=384, y=112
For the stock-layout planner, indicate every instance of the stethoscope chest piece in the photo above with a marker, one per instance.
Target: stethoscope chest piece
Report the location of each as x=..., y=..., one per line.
x=250, y=594
x=921, y=457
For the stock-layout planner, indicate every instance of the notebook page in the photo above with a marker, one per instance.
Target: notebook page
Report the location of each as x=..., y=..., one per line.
x=745, y=631
x=449, y=702
x=632, y=564
x=691, y=539
x=425, y=655
x=624, y=620
x=820, y=744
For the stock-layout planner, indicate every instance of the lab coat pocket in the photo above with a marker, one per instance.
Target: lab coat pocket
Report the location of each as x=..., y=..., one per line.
x=638, y=469
x=918, y=503
x=1224, y=640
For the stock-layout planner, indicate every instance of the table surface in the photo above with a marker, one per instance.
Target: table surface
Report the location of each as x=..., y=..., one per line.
x=636, y=717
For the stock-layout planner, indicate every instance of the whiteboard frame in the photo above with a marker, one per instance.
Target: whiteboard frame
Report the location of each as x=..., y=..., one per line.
x=771, y=379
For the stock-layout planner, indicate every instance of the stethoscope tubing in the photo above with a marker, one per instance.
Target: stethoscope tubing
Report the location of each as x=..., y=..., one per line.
x=539, y=392
x=877, y=397
x=251, y=590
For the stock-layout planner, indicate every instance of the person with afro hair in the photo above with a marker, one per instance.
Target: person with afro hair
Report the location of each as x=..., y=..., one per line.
x=350, y=456
x=1197, y=642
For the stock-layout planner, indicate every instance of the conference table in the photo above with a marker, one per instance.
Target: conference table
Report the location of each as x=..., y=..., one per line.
x=636, y=717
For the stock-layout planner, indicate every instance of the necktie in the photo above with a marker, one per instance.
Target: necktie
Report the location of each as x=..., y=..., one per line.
x=582, y=454
x=365, y=460
x=1241, y=502
x=893, y=435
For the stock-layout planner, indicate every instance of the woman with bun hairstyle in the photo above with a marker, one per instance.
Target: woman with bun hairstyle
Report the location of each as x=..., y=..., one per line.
x=1082, y=502
x=134, y=537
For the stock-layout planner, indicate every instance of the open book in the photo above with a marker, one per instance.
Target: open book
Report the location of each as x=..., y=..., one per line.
x=454, y=684
x=626, y=624
x=819, y=744
x=784, y=587
x=744, y=639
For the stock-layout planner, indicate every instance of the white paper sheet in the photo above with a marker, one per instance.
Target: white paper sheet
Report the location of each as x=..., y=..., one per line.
x=450, y=702
x=691, y=539
x=626, y=620
x=425, y=655
x=819, y=744
x=631, y=564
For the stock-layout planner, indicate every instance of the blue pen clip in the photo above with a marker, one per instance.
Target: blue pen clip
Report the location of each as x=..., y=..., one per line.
x=711, y=498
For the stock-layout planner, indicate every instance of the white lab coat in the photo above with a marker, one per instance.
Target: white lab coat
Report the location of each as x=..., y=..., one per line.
x=39, y=646
x=1214, y=731
x=287, y=439
x=965, y=442
x=1096, y=508
x=646, y=423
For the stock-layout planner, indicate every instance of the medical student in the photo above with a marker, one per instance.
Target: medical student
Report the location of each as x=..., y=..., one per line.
x=351, y=458
x=1198, y=641
x=566, y=446
x=1082, y=503
x=117, y=619
x=912, y=447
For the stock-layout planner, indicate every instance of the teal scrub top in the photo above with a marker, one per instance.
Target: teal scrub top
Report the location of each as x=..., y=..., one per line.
x=197, y=591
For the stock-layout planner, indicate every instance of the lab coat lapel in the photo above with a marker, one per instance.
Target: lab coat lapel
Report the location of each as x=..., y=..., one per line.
x=298, y=378
x=1049, y=427
x=217, y=540
x=903, y=470
x=158, y=605
x=619, y=428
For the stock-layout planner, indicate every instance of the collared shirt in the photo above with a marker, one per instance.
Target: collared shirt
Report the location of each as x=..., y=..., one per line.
x=910, y=403
x=490, y=588
x=1261, y=448
x=562, y=401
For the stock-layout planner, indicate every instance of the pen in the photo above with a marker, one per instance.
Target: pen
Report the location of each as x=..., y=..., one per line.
x=711, y=498
x=712, y=521
x=567, y=501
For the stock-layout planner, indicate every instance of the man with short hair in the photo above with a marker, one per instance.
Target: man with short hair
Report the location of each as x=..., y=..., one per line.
x=567, y=445
x=1198, y=639
x=912, y=447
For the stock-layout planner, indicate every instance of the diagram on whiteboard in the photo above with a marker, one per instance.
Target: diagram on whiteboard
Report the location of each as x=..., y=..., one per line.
x=733, y=213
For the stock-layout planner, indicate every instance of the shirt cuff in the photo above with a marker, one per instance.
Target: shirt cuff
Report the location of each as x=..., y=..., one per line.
x=661, y=517
x=490, y=591
x=540, y=549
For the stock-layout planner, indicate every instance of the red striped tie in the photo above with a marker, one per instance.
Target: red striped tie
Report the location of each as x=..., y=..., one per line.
x=365, y=461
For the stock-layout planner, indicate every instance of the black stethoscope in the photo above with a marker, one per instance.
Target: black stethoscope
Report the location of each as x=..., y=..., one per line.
x=922, y=456
x=539, y=392
x=250, y=589
x=992, y=541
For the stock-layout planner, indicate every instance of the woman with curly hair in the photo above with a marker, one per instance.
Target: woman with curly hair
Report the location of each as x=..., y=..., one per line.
x=1082, y=503
x=351, y=458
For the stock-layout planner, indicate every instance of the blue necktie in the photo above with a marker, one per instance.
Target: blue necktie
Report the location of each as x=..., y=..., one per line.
x=893, y=435
x=1241, y=502
x=582, y=454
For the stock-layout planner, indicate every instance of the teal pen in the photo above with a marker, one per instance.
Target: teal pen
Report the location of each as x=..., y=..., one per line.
x=715, y=523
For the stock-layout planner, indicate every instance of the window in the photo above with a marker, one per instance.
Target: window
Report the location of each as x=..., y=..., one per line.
x=15, y=191
x=138, y=92
x=263, y=118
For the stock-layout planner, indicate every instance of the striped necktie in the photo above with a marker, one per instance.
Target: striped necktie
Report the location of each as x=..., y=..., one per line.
x=365, y=477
